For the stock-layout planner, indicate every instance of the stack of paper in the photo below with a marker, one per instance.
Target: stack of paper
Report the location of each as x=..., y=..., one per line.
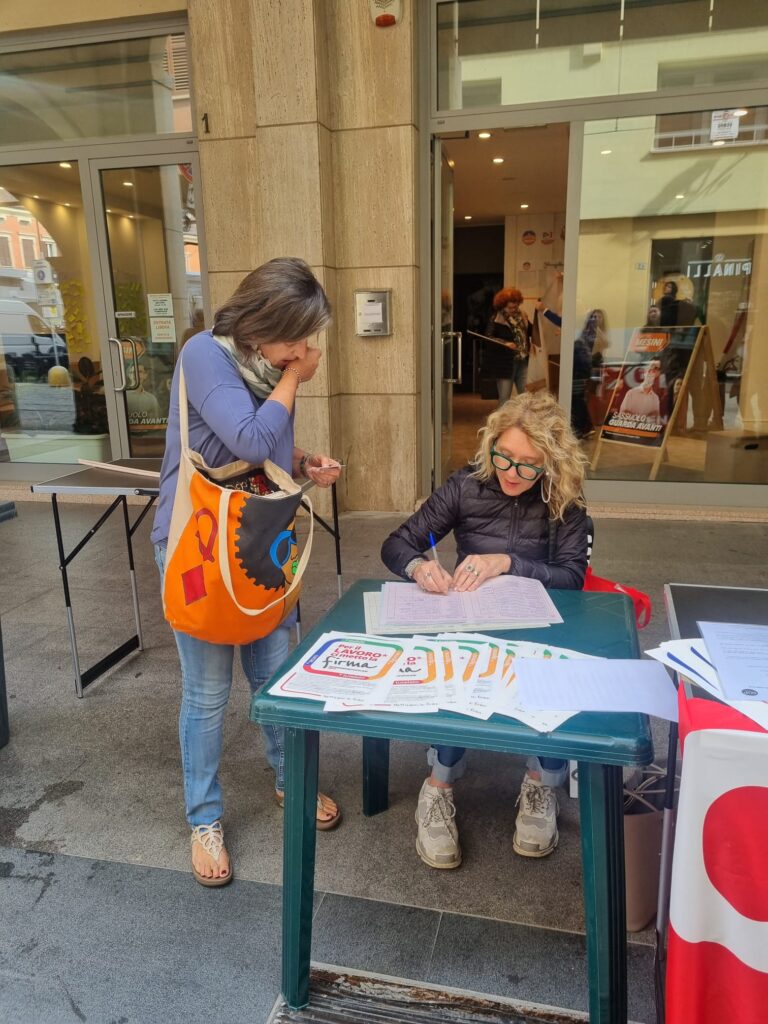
x=468, y=673
x=507, y=602
x=739, y=664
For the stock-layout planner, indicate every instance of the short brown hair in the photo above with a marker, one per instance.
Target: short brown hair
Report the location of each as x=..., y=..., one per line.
x=500, y=299
x=281, y=300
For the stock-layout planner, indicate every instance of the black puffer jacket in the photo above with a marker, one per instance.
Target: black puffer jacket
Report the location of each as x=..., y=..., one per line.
x=486, y=521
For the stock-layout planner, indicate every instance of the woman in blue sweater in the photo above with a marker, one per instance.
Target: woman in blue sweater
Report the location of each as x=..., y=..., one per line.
x=242, y=379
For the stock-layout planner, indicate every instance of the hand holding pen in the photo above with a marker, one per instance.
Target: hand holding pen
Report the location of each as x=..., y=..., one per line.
x=430, y=575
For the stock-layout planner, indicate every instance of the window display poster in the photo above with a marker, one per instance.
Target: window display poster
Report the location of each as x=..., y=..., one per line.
x=638, y=413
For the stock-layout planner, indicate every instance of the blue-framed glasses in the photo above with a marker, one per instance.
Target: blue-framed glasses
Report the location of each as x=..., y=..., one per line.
x=524, y=470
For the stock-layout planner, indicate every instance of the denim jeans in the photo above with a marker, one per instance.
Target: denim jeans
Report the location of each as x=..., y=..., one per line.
x=206, y=673
x=518, y=378
x=448, y=763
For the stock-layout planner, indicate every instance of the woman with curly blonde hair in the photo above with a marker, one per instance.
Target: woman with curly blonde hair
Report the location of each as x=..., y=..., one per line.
x=528, y=471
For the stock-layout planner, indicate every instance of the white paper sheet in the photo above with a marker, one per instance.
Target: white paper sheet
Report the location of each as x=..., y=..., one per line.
x=348, y=666
x=597, y=685
x=688, y=659
x=372, y=606
x=739, y=654
x=505, y=600
x=416, y=689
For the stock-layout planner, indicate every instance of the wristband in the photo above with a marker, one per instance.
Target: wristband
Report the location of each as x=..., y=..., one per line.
x=408, y=570
x=292, y=369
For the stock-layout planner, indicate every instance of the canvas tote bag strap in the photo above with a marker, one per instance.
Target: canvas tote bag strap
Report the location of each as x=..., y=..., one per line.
x=226, y=573
x=183, y=408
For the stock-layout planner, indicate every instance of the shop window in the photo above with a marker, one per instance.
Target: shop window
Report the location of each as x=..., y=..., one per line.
x=107, y=89
x=548, y=50
x=6, y=259
x=669, y=379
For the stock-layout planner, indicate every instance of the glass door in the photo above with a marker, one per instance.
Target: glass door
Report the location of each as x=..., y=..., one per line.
x=448, y=342
x=150, y=251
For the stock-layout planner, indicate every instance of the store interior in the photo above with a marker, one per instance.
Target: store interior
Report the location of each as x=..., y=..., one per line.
x=669, y=257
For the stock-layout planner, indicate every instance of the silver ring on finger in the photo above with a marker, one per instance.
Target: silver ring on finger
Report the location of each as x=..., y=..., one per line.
x=475, y=573
x=469, y=568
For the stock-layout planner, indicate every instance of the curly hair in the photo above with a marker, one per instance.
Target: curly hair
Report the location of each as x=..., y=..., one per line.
x=546, y=426
x=500, y=299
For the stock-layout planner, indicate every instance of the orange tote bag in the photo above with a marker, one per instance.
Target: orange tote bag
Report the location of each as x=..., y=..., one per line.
x=232, y=571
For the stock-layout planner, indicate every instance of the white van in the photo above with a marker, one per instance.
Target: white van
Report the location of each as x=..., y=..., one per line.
x=27, y=342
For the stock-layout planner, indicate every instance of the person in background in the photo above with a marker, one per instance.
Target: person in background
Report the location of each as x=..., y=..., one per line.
x=554, y=318
x=242, y=378
x=528, y=471
x=587, y=355
x=507, y=358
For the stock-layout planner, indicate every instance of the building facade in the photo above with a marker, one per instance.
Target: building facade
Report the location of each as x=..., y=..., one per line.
x=608, y=160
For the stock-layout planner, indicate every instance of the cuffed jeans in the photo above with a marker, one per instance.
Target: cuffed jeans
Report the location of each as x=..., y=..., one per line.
x=206, y=673
x=448, y=764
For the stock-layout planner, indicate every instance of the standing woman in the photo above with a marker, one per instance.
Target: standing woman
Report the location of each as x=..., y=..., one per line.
x=528, y=472
x=242, y=379
x=507, y=359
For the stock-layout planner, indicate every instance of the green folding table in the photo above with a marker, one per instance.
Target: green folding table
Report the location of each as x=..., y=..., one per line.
x=601, y=624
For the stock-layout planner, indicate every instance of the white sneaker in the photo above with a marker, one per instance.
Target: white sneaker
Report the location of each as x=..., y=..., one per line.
x=536, y=825
x=437, y=840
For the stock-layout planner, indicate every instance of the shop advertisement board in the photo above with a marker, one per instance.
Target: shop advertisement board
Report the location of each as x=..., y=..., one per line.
x=638, y=412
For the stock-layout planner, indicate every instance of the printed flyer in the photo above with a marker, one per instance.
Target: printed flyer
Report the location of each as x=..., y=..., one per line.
x=352, y=666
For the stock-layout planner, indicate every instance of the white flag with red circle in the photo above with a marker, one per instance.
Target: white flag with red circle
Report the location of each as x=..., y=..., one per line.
x=717, y=950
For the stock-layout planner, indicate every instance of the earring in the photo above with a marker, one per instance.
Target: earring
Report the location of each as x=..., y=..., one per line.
x=546, y=497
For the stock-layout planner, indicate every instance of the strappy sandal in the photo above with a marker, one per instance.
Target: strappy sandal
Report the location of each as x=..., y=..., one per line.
x=322, y=824
x=211, y=838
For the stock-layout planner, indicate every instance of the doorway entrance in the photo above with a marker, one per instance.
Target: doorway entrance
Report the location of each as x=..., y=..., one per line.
x=500, y=227
x=101, y=281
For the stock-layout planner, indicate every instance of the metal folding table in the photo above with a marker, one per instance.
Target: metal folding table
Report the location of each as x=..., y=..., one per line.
x=118, y=483
x=121, y=482
x=602, y=624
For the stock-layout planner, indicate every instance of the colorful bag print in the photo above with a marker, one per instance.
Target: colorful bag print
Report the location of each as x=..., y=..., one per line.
x=232, y=572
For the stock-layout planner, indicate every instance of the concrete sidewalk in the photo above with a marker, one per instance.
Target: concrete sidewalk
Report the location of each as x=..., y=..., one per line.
x=102, y=921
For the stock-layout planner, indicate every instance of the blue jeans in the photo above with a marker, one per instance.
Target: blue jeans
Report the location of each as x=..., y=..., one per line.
x=448, y=763
x=518, y=378
x=206, y=673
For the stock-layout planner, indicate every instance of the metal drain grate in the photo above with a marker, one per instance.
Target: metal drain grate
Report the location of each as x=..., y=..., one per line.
x=344, y=998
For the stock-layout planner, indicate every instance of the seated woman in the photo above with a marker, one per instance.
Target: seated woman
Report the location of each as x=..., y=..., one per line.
x=528, y=471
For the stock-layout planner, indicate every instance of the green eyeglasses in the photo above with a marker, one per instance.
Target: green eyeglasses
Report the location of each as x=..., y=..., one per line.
x=524, y=470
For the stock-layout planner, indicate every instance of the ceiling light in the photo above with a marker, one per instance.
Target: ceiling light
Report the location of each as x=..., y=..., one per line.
x=65, y=164
x=467, y=216
x=130, y=216
x=451, y=163
x=483, y=135
x=523, y=206
x=67, y=204
x=35, y=197
x=605, y=152
x=719, y=142
x=498, y=159
x=108, y=210
x=740, y=112
x=680, y=195
x=128, y=184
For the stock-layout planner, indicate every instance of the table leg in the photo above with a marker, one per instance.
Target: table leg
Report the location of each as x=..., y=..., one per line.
x=602, y=854
x=299, y=833
x=375, y=775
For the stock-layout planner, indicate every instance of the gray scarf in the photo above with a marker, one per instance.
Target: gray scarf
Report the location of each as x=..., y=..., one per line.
x=259, y=375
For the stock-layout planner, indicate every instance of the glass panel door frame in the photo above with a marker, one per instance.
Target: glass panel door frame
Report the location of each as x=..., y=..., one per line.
x=100, y=155
x=618, y=491
x=101, y=268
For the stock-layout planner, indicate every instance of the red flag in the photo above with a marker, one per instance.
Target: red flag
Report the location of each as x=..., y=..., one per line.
x=717, y=951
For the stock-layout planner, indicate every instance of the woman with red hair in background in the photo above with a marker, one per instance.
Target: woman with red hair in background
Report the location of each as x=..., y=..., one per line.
x=507, y=360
